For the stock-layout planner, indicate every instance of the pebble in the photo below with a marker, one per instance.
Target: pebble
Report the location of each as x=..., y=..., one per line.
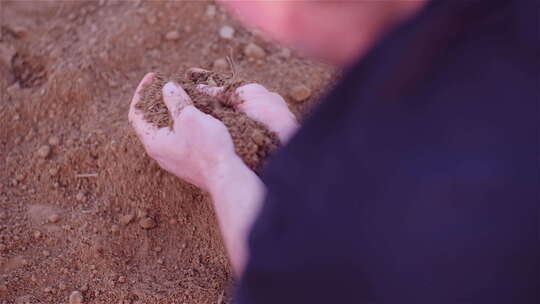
x=115, y=228
x=285, y=53
x=226, y=32
x=48, y=289
x=126, y=219
x=80, y=196
x=46, y=253
x=54, y=140
x=75, y=297
x=172, y=35
x=211, y=11
x=151, y=20
x=19, y=31
x=122, y=279
x=113, y=83
x=53, y=171
x=44, y=151
x=220, y=64
x=252, y=50
x=19, y=177
x=54, y=218
x=147, y=223
x=300, y=93
x=37, y=234
x=141, y=213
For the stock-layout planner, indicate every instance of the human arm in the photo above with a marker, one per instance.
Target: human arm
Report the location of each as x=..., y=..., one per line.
x=204, y=155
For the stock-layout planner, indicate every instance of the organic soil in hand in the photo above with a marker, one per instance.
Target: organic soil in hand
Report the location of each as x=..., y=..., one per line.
x=253, y=142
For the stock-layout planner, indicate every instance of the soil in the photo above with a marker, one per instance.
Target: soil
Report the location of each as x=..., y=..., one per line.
x=253, y=141
x=85, y=215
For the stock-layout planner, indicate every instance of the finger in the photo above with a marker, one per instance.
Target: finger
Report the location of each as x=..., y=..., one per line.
x=175, y=98
x=241, y=95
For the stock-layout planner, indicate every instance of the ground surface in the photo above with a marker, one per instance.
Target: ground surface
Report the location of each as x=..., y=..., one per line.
x=81, y=206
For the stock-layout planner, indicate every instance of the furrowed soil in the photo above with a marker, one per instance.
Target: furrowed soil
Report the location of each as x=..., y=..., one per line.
x=83, y=211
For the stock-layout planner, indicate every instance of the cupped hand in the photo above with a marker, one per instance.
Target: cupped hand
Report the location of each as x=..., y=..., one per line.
x=197, y=145
x=259, y=104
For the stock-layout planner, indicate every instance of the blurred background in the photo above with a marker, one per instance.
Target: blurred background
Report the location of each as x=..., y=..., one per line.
x=84, y=214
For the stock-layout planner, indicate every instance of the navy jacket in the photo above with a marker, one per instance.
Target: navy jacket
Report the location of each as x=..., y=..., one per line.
x=417, y=179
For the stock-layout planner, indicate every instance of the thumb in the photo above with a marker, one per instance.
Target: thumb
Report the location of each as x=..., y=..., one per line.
x=175, y=98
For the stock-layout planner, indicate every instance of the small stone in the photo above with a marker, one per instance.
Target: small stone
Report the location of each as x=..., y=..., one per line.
x=254, y=51
x=147, y=223
x=210, y=11
x=62, y=286
x=44, y=151
x=113, y=83
x=226, y=32
x=151, y=20
x=160, y=261
x=126, y=219
x=54, y=140
x=54, y=218
x=172, y=35
x=115, y=228
x=19, y=177
x=300, y=93
x=285, y=53
x=19, y=31
x=53, y=171
x=46, y=253
x=76, y=297
x=220, y=64
x=122, y=279
x=141, y=213
x=158, y=249
x=173, y=222
x=37, y=234
x=80, y=196
x=48, y=289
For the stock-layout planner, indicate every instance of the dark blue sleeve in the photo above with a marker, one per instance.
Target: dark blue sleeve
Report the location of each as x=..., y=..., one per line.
x=416, y=188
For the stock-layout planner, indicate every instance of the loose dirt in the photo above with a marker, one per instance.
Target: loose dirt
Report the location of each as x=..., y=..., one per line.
x=83, y=210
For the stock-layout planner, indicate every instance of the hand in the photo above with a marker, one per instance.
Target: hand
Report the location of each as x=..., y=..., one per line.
x=197, y=145
x=261, y=105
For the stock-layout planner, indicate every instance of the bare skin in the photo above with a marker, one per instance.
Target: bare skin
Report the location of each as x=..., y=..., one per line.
x=205, y=156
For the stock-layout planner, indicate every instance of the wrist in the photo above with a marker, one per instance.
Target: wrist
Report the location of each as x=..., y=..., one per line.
x=225, y=172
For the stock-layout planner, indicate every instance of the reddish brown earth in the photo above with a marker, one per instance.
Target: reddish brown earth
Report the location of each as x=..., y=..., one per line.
x=82, y=208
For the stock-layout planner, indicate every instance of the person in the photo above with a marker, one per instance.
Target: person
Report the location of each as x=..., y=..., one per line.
x=415, y=180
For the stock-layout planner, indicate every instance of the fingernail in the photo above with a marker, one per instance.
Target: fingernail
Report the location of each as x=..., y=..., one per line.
x=171, y=89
